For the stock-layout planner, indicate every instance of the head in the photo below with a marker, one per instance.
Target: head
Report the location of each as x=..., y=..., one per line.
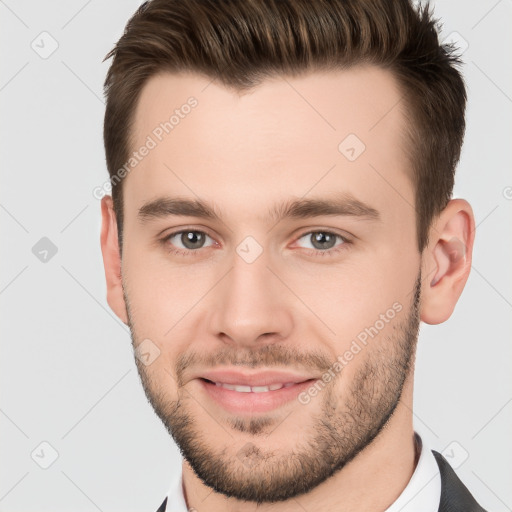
x=281, y=180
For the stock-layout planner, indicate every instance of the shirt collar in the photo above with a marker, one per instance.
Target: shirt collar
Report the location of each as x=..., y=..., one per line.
x=423, y=492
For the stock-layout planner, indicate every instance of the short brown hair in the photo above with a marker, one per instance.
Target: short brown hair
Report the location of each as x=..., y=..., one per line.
x=241, y=42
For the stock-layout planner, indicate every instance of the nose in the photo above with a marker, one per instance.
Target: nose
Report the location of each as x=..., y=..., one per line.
x=252, y=306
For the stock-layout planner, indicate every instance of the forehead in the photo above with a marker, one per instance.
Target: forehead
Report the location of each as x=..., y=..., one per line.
x=289, y=135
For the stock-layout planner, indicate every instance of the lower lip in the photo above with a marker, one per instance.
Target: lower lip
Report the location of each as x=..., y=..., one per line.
x=240, y=402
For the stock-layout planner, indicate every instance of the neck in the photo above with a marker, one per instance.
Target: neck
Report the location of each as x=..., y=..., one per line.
x=373, y=480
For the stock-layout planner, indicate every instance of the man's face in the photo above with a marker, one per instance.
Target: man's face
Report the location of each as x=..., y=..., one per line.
x=250, y=292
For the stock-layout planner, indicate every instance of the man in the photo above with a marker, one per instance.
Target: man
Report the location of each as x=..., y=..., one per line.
x=280, y=223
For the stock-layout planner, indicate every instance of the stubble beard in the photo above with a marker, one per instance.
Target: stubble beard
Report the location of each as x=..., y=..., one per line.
x=350, y=419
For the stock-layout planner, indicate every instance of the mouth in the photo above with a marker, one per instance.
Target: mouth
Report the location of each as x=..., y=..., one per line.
x=241, y=398
x=241, y=388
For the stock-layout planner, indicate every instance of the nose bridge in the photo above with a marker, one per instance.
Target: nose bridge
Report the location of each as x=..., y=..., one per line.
x=251, y=301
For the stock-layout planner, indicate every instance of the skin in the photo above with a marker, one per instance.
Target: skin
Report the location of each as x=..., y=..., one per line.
x=292, y=307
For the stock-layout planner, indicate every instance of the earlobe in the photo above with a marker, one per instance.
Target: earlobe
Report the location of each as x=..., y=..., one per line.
x=446, y=261
x=112, y=259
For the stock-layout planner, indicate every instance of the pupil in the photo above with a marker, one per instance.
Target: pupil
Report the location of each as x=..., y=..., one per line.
x=192, y=239
x=320, y=237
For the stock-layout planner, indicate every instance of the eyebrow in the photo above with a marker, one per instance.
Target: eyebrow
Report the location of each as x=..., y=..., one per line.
x=344, y=205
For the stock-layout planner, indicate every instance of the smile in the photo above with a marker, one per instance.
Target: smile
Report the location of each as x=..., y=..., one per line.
x=244, y=399
x=253, y=389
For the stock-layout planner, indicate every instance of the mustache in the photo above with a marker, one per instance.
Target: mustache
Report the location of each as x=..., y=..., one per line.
x=267, y=356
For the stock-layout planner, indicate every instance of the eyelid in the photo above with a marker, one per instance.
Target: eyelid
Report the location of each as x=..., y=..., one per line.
x=180, y=231
x=346, y=237
x=347, y=240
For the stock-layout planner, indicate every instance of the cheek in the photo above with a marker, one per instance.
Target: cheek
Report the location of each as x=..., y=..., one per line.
x=164, y=303
x=160, y=292
x=351, y=296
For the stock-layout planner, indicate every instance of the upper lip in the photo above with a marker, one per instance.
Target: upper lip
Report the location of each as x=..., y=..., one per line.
x=261, y=378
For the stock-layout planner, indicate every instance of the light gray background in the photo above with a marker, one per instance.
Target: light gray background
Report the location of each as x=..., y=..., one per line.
x=67, y=371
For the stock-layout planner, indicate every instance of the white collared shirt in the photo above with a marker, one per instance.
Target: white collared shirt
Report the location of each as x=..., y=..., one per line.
x=422, y=493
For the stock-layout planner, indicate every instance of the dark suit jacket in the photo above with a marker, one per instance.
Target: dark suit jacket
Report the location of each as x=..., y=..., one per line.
x=455, y=496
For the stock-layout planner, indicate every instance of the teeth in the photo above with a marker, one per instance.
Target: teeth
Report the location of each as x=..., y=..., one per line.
x=254, y=389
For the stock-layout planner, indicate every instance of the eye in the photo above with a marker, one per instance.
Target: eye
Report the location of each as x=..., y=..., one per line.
x=324, y=242
x=186, y=241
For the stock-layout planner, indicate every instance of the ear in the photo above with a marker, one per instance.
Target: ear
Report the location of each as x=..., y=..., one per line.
x=112, y=259
x=446, y=261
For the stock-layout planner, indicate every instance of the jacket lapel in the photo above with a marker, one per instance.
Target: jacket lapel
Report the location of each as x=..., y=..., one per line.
x=161, y=508
x=455, y=496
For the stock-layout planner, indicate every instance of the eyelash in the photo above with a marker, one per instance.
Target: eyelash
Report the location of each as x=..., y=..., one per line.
x=312, y=252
